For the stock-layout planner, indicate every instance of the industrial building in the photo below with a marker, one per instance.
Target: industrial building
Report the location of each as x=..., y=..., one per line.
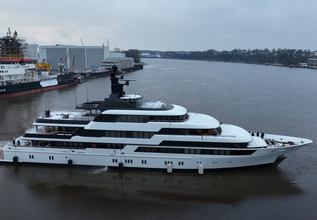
x=73, y=57
x=77, y=57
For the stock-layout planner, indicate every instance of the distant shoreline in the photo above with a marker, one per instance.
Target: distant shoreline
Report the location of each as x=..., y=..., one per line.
x=264, y=64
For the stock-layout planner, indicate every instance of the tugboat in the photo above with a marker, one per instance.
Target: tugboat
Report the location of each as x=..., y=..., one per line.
x=18, y=75
x=123, y=131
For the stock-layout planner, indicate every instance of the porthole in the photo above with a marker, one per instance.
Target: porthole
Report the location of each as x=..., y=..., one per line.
x=180, y=163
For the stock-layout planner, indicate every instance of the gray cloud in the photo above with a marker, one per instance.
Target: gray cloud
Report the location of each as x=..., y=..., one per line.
x=166, y=25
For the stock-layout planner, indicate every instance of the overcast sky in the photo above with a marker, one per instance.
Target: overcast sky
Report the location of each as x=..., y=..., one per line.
x=165, y=24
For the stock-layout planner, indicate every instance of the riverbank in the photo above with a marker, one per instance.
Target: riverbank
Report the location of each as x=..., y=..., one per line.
x=296, y=58
x=265, y=64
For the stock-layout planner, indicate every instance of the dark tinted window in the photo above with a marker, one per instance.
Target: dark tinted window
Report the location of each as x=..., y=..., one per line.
x=119, y=134
x=193, y=151
x=203, y=144
x=139, y=118
x=178, y=131
x=76, y=145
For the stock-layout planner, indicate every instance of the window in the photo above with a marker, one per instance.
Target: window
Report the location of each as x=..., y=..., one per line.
x=146, y=135
x=129, y=134
x=179, y=131
x=203, y=144
x=123, y=134
x=140, y=135
x=134, y=134
x=79, y=145
x=193, y=151
x=112, y=133
x=106, y=118
x=107, y=133
x=139, y=118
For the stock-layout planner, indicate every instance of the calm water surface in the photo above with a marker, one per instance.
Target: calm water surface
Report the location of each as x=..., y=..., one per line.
x=259, y=98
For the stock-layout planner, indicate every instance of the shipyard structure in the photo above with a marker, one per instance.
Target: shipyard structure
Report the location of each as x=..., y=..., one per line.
x=82, y=57
x=78, y=58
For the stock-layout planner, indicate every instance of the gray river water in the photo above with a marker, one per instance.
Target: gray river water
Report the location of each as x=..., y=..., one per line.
x=258, y=98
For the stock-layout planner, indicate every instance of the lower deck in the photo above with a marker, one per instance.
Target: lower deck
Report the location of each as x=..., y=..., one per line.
x=139, y=156
x=107, y=158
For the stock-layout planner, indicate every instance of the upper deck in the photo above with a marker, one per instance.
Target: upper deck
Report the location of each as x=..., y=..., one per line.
x=150, y=108
x=65, y=118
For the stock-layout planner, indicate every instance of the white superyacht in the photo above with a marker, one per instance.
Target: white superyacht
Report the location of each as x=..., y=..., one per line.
x=125, y=132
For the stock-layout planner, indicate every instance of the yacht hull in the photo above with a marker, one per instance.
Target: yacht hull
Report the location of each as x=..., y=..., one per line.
x=124, y=159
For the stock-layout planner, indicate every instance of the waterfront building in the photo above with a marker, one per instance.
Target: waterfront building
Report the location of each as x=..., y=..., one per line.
x=73, y=56
x=312, y=62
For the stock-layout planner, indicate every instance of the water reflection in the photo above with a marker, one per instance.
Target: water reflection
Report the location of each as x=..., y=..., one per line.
x=226, y=187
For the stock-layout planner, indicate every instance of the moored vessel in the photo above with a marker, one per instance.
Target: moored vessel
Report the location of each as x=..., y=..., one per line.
x=19, y=75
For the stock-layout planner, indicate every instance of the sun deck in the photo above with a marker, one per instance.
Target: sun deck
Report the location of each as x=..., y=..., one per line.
x=74, y=118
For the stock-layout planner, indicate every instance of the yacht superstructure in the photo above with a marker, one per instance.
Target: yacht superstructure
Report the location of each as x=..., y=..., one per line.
x=124, y=131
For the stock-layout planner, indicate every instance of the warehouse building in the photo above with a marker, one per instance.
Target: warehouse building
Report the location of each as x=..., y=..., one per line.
x=73, y=56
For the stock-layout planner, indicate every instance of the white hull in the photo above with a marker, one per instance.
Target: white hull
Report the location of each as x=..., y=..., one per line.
x=126, y=158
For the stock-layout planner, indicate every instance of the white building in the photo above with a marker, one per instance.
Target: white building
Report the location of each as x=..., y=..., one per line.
x=312, y=62
x=121, y=62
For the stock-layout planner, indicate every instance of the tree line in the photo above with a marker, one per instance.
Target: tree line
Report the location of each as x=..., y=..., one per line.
x=287, y=57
